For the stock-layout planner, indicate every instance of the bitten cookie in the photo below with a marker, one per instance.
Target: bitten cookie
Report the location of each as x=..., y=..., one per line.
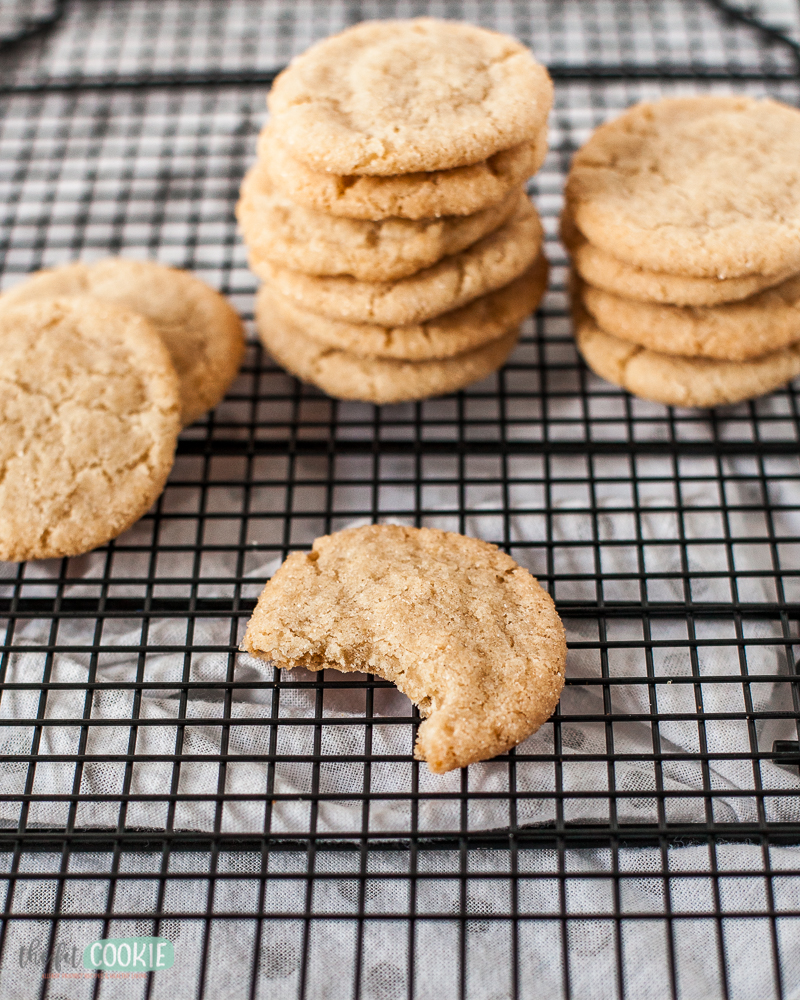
x=707, y=187
x=89, y=418
x=374, y=380
x=427, y=195
x=677, y=381
x=489, y=264
x=601, y=269
x=201, y=330
x=480, y=321
x=303, y=239
x=467, y=634
x=734, y=331
x=392, y=97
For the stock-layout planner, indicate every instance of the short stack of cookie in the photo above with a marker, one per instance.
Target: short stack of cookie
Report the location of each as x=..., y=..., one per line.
x=682, y=219
x=100, y=366
x=387, y=216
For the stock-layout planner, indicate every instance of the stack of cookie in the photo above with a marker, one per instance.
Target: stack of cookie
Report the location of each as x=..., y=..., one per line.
x=102, y=365
x=387, y=214
x=682, y=218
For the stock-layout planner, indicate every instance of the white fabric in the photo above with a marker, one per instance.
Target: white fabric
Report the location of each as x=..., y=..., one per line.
x=591, y=943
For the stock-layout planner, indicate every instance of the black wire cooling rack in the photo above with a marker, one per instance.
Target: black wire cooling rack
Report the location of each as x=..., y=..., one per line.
x=274, y=827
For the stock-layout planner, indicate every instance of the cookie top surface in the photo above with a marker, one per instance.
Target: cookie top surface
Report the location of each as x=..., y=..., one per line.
x=201, y=330
x=681, y=381
x=393, y=97
x=89, y=418
x=480, y=321
x=455, y=623
x=427, y=195
x=489, y=264
x=699, y=186
x=599, y=268
x=303, y=239
x=734, y=331
x=345, y=375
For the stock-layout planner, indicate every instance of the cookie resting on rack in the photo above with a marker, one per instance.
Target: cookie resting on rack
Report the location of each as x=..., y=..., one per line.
x=467, y=634
x=89, y=418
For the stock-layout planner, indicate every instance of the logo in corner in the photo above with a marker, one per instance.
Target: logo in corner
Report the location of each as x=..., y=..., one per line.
x=131, y=954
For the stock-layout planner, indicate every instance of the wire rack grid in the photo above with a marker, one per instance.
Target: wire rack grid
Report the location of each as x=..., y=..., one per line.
x=273, y=826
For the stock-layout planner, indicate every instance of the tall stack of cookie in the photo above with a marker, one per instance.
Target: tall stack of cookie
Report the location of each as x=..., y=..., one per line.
x=682, y=218
x=386, y=214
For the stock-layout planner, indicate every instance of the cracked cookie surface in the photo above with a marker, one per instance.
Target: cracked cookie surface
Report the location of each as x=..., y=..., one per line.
x=461, y=629
x=303, y=239
x=680, y=381
x=426, y=195
x=89, y=418
x=392, y=97
x=701, y=186
x=477, y=323
x=201, y=330
x=487, y=265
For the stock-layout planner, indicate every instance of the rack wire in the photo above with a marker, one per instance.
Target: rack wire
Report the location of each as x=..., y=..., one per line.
x=274, y=826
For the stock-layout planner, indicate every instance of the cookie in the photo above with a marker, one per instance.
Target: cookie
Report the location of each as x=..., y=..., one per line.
x=202, y=332
x=303, y=239
x=89, y=418
x=395, y=97
x=464, y=329
x=373, y=380
x=428, y=195
x=599, y=268
x=735, y=331
x=707, y=187
x=677, y=381
x=462, y=630
x=492, y=262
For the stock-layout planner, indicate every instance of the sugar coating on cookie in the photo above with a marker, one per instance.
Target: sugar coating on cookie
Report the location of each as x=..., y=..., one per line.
x=461, y=629
x=303, y=239
x=680, y=381
x=345, y=375
x=489, y=264
x=477, y=323
x=700, y=186
x=425, y=195
x=599, y=268
x=89, y=418
x=201, y=330
x=733, y=331
x=392, y=97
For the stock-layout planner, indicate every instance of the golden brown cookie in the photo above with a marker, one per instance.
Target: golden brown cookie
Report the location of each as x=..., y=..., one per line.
x=303, y=239
x=89, y=418
x=464, y=329
x=428, y=195
x=679, y=381
x=599, y=268
x=735, y=331
x=489, y=264
x=392, y=97
x=707, y=187
x=373, y=380
x=467, y=634
x=201, y=330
